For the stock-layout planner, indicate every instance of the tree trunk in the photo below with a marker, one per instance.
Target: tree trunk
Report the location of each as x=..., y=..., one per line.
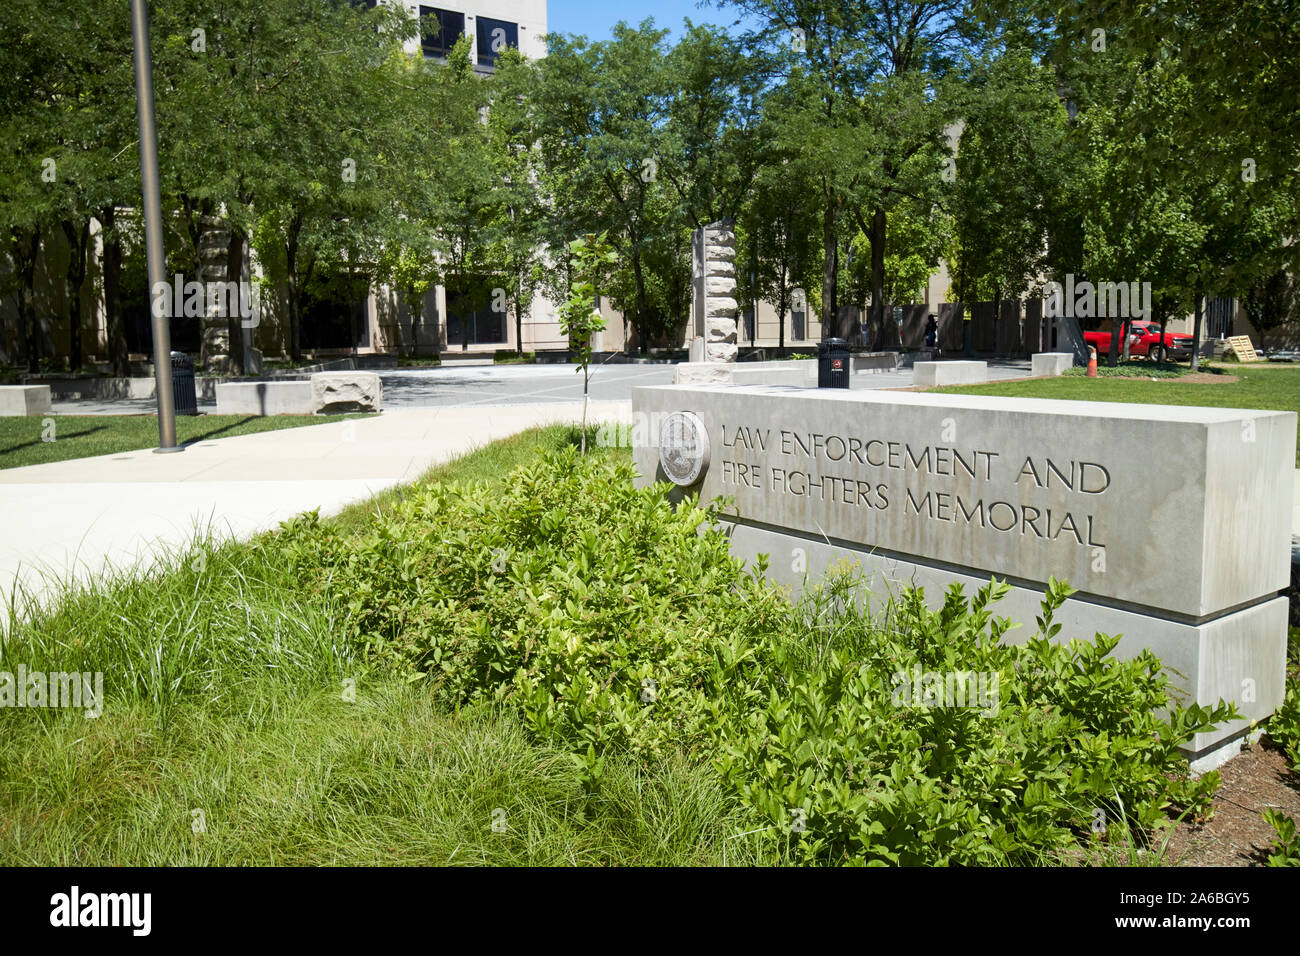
x=464, y=325
x=26, y=247
x=294, y=287
x=111, y=267
x=830, y=249
x=639, y=274
x=1196, y=331
x=781, y=302
x=235, y=273
x=877, y=239
x=997, y=313
x=519, y=328
x=77, y=236
x=415, y=307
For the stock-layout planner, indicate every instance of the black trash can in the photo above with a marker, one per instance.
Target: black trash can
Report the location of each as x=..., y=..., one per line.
x=183, y=392
x=833, y=363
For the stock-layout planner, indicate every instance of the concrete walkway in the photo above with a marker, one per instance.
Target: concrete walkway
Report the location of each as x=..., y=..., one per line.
x=72, y=518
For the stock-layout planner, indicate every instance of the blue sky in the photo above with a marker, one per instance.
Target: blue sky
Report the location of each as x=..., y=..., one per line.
x=596, y=18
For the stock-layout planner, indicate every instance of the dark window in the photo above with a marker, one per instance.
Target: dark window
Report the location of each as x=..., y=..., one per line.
x=1220, y=313
x=136, y=308
x=470, y=318
x=334, y=312
x=439, y=30
x=493, y=37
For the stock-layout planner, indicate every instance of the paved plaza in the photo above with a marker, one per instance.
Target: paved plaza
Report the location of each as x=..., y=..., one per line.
x=486, y=385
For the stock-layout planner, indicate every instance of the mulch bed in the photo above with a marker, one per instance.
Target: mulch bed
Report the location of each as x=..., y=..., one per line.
x=1236, y=834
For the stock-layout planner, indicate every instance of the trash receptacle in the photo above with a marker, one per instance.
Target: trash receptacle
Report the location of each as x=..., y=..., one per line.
x=832, y=363
x=184, y=395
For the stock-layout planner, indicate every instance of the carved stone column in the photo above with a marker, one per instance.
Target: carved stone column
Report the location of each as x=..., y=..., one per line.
x=214, y=242
x=718, y=285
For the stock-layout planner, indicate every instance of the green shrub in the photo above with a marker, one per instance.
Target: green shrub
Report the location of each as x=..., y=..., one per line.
x=1284, y=726
x=1286, y=848
x=565, y=591
x=859, y=776
x=616, y=625
x=1133, y=368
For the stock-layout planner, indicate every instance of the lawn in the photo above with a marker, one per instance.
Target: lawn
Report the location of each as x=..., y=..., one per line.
x=1264, y=387
x=496, y=665
x=36, y=440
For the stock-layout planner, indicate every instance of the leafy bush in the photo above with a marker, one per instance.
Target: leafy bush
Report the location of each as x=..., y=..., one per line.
x=566, y=591
x=1071, y=743
x=1132, y=369
x=1286, y=848
x=1284, y=726
x=617, y=625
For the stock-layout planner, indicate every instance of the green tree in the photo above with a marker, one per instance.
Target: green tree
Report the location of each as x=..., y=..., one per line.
x=600, y=111
x=591, y=258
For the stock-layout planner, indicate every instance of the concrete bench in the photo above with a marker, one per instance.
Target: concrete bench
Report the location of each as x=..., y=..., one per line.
x=325, y=393
x=1050, y=363
x=24, y=400
x=951, y=373
x=875, y=361
x=264, y=398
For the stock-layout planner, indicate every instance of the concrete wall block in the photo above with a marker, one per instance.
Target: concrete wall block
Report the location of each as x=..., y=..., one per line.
x=950, y=373
x=264, y=398
x=1051, y=363
x=18, y=400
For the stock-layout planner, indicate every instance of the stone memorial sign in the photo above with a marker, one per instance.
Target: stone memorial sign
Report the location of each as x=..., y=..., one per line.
x=1172, y=522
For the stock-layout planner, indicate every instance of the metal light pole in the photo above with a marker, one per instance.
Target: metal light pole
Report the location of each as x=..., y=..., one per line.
x=153, y=239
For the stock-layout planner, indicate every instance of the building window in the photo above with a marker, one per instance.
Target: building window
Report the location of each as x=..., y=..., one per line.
x=470, y=317
x=439, y=30
x=335, y=313
x=493, y=37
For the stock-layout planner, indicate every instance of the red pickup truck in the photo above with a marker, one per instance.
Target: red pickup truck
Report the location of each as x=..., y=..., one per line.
x=1100, y=340
x=1177, y=345
x=1144, y=339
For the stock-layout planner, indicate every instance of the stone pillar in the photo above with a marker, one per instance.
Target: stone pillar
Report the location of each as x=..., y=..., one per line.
x=712, y=348
x=719, y=292
x=214, y=243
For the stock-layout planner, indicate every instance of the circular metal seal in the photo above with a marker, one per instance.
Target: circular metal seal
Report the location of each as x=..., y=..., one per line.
x=683, y=447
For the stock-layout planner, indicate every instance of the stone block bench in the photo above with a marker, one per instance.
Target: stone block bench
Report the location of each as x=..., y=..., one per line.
x=1050, y=363
x=325, y=393
x=24, y=400
x=875, y=361
x=951, y=373
x=264, y=398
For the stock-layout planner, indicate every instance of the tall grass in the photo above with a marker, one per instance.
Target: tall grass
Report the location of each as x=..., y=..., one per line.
x=201, y=624
x=226, y=738
x=390, y=779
